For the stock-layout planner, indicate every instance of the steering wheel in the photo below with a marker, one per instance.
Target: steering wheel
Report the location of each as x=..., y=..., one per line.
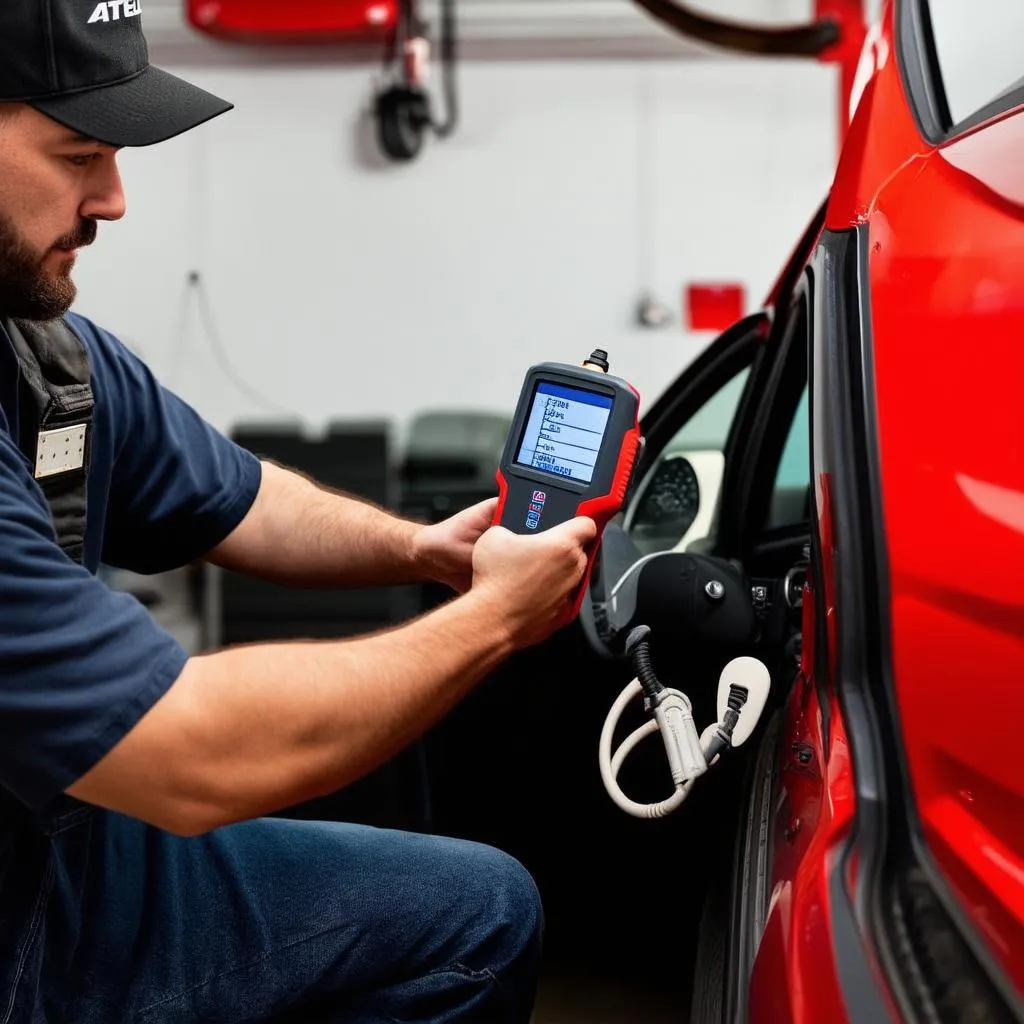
x=615, y=555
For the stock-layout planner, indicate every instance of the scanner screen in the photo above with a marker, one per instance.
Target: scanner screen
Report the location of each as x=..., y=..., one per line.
x=564, y=431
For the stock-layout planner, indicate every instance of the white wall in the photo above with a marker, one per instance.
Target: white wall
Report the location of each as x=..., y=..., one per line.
x=340, y=288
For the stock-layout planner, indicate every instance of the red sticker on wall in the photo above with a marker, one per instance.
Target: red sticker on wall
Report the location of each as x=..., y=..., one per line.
x=713, y=307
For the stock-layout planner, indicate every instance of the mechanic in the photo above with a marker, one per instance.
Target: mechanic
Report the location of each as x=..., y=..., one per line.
x=140, y=879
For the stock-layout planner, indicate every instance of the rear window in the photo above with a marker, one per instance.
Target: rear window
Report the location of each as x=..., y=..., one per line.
x=962, y=62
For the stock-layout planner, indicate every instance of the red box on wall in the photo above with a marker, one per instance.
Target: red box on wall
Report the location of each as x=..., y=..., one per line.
x=713, y=307
x=294, y=21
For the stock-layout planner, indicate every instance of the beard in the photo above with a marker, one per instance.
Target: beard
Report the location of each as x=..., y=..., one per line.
x=28, y=291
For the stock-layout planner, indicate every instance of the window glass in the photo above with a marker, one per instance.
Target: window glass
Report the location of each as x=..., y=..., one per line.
x=708, y=428
x=979, y=51
x=676, y=502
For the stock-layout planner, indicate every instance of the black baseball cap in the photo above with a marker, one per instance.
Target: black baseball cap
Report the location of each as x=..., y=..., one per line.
x=85, y=64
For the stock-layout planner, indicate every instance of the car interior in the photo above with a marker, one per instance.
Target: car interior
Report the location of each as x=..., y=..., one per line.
x=725, y=480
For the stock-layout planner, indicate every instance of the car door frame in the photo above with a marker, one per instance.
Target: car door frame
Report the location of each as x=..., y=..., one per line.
x=755, y=339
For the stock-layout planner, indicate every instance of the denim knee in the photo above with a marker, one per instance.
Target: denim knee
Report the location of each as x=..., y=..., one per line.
x=516, y=915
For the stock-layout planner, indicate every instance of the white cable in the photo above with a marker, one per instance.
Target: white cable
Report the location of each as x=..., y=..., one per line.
x=686, y=751
x=610, y=766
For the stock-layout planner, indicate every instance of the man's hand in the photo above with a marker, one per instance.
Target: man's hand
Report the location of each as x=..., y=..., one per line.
x=444, y=551
x=532, y=579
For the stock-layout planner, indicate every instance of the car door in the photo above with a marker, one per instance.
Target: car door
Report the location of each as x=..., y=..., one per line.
x=482, y=785
x=521, y=749
x=765, y=524
x=761, y=525
x=893, y=881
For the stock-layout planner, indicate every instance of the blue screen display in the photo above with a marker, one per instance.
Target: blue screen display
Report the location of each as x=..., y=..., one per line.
x=564, y=431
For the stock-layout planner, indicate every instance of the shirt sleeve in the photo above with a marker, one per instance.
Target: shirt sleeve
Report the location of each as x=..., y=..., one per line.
x=179, y=486
x=80, y=664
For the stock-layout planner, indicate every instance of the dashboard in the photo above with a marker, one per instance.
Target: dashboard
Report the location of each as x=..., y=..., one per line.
x=676, y=501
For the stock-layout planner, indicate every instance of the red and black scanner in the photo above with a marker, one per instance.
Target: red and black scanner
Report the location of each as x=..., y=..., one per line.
x=571, y=451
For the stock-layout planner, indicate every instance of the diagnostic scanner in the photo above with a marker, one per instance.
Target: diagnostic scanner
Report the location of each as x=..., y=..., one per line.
x=571, y=451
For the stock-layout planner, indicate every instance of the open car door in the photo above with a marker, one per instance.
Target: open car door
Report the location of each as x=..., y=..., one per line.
x=516, y=764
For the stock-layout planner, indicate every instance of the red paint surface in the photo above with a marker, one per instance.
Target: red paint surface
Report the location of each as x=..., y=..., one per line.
x=946, y=288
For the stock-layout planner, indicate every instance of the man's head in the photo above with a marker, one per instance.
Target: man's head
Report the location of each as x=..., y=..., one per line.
x=54, y=187
x=75, y=86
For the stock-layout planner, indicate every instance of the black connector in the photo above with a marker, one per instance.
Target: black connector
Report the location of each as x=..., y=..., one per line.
x=736, y=699
x=723, y=733
x=639, y=650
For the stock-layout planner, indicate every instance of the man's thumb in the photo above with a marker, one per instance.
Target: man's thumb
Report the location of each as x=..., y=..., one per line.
x=582, y=529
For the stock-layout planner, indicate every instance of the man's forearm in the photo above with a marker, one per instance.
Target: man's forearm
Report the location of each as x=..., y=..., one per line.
x=301, y=534
x=251, y=730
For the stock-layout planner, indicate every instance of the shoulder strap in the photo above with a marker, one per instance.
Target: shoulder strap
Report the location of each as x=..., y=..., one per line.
x=56, y=421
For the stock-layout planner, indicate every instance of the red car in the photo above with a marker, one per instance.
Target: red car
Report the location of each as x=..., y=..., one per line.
x=857, y=452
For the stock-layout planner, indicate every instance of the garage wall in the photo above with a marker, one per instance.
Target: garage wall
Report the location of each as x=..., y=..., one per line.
x=332, y=286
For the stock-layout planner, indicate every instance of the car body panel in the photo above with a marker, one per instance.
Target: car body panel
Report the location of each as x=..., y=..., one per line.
x=882, y=136
x=948, y=331
x=944, y=266
x=813, y=813
x=816, y=936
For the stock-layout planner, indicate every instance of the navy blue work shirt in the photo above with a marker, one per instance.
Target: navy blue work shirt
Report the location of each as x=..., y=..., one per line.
x=80, y=664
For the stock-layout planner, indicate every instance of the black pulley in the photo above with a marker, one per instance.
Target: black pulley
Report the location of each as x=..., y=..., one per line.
x=403, y=117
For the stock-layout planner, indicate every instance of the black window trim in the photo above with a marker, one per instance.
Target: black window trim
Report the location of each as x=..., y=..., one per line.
x=756, y=442
x=734, y=536
x=918, y=62
x=833, y=420
x=776, y=420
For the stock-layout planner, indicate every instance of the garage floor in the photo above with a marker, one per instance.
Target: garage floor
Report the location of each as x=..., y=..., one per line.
x=572, y=996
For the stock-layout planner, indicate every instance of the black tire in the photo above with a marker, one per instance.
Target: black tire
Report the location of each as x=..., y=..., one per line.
x=732, y=917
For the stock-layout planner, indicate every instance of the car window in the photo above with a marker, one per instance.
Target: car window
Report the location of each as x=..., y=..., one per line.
x=675, y=503
x=978, y=53
x=960, y=63
x=708, y=428
x=791, y=491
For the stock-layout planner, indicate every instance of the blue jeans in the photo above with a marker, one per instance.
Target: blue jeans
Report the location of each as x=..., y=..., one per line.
x=268, y=920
